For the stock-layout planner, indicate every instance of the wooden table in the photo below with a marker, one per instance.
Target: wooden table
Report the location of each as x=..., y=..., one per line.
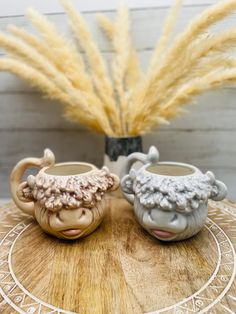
x=119, y=269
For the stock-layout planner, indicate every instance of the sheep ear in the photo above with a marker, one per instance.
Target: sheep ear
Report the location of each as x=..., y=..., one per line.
x=127, y=186
x=219, y=189
x=127, y=182
x=22, y=189
x=116, y=182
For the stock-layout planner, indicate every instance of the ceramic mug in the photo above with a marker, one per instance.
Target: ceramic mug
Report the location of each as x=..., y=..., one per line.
x=67, y=199
x=170, y=199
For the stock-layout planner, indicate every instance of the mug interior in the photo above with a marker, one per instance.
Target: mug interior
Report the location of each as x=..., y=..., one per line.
x=170, y=170
x=68, y=170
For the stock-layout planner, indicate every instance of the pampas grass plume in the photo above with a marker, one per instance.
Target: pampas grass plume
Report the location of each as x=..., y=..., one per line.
x=122, y=100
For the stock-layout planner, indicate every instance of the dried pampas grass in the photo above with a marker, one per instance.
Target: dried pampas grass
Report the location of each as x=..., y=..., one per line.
x=122, y=100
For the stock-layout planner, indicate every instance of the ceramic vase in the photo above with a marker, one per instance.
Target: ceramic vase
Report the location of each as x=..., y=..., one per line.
x=116, y=151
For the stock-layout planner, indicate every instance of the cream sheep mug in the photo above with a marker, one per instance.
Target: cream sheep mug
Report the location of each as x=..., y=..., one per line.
x=67, y=199
x=170, y=199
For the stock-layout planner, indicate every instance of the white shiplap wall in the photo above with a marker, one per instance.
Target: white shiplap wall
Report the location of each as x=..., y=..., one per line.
x=53, y=6
x=206, y=136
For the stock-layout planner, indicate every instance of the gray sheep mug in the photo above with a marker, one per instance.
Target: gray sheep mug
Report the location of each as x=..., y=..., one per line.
x=170, y=199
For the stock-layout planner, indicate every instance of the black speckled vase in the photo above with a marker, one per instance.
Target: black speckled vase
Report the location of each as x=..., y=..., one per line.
x=117, y=149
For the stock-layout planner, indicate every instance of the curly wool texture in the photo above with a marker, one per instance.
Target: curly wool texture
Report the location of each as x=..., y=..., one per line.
x=171, y=194
x=53, y=193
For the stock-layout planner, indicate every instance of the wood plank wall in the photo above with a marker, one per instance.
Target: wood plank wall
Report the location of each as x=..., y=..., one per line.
x=205, y=137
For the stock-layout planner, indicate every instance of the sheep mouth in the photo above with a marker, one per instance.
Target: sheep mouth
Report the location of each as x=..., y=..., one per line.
x=71, y=233
x=163, y=234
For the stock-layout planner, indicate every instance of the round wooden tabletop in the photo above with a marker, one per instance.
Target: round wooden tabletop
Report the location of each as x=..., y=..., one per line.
x=119, y=268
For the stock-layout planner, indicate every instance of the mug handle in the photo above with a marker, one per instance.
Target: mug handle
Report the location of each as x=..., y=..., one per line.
x=17, y=173
x=152, y=157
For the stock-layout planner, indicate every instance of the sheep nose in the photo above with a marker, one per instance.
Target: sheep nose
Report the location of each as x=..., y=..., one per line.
x=78, y=216
x=163, y=217
x=168, y=219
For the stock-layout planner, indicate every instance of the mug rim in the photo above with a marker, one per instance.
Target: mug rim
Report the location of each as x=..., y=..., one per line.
x=180, y=164
x=69, y=163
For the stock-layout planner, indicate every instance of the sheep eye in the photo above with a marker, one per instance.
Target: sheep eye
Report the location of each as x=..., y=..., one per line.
x=174, y=217
x=83, y=212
